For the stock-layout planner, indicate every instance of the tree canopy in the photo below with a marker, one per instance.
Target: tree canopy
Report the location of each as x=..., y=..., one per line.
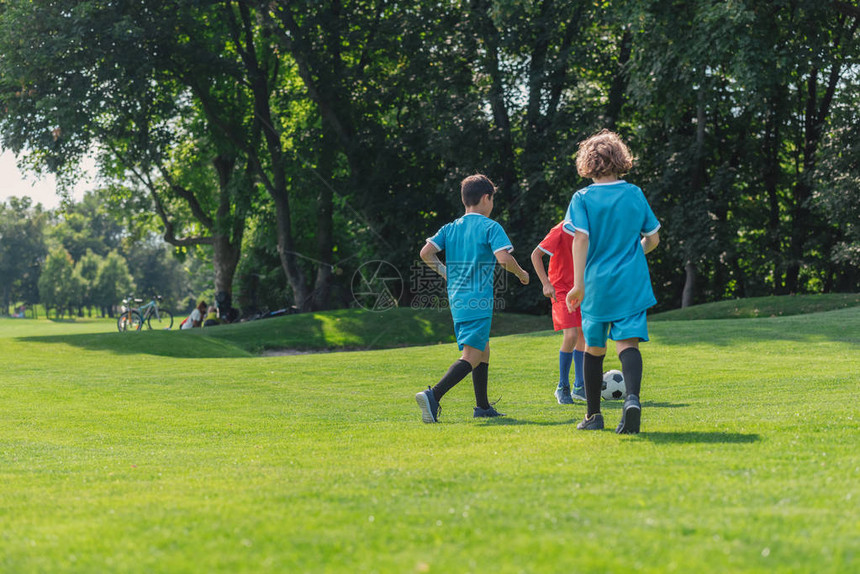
x=315, y=136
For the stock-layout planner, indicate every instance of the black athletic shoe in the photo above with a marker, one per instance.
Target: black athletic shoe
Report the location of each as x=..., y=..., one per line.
x=631, y=415
x=594, y=422
x=487, y=413
x=429, y=406
x=562, y=395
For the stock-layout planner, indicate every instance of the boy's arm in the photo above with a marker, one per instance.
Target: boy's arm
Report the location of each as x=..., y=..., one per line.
x=540, y=271
x=649, y=242
x=507, y=261
x=430, y=256
x=580, y=251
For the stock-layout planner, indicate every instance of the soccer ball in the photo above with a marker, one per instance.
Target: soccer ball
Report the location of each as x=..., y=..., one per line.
x=613, y=386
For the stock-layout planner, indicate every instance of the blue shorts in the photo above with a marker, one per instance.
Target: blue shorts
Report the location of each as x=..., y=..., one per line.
x=475, y=333
x=632, y=327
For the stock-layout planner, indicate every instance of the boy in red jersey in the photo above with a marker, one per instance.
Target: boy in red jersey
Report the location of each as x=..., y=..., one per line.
x=557, y=244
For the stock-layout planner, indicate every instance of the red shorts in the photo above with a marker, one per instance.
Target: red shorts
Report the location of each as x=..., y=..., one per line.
x=561, y=317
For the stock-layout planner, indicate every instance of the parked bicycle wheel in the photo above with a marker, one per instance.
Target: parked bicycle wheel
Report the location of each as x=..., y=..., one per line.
x=128, y=321
x=163, y=321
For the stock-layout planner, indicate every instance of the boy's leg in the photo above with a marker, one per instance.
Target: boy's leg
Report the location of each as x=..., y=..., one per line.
x=628, y=333
x=473, y=338
x=595, y=334
x=568, y=341
x=578, y=354
x=565, y=360
x=456, y=373
x=479, y=379
x=564, y=321
x=565, y=357
x=480, y=373
x=428, y=401
x=592, y=364
x=631, y=367
x=593, y=367
x=631, y=364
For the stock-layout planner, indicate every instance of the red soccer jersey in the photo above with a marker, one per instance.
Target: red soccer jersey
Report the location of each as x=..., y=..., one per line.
x=557, y=244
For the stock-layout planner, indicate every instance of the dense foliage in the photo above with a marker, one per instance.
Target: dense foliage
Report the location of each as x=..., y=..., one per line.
x=287, y=143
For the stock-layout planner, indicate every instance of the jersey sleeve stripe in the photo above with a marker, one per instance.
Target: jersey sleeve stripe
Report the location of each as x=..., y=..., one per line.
x=509, y=248
x=431, y=242
x=653, y=231
x=545, y=251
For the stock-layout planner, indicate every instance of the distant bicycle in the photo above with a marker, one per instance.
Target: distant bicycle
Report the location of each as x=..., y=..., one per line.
x=133, y=319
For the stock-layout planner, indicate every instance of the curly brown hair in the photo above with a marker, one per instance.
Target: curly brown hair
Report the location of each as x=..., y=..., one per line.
x=603, y=154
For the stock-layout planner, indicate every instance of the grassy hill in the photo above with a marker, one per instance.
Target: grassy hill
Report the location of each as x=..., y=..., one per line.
x=345, y=329
x=127, y=455
x=762, y=307
x=356, y=329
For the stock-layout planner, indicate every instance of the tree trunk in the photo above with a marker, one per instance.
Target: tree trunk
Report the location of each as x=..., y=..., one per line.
x=225, y=258
x=617, y=86
x=501, y=119
x=688, y=295
x=277, y=184
x=697, y=183
x=770, y=178
x=227, y=231
x=287, y=255
x=325, y=226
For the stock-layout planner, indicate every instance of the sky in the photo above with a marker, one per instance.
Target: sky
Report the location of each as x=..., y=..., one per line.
x=42, y=190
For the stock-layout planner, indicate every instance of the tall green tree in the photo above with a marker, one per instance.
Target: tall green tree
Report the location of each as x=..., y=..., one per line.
x=90, y=75
x=88, y=267
x=60, y=286
x=22, y=250
x=113, y=283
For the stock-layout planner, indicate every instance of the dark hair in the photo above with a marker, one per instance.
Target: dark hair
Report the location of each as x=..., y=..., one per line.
x=474, y=187
x=603, y=154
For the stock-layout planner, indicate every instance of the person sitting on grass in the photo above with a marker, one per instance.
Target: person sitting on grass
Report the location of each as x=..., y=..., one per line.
x=211, y=319
x=472, y=245
x=558, y=245
x=614, y=228
x=195, y=319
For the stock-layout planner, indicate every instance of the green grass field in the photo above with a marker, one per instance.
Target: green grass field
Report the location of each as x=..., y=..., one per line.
x=189, y=452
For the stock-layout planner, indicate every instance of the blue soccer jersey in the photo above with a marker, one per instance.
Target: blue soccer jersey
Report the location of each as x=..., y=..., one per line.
x=614, y=216
x=470, y=244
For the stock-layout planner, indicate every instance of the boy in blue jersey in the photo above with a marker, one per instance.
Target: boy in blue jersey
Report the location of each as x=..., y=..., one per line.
x=472, y=245
x=614, y=229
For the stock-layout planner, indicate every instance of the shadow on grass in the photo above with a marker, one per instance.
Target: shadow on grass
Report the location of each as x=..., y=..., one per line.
x=695, y=437
x=662, y=405
x=509, y=422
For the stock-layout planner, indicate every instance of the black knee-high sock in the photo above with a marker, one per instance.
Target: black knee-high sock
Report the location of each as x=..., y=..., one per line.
x=479, y=380
x=592, y=367
x=631, y=367
x=456, y=373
